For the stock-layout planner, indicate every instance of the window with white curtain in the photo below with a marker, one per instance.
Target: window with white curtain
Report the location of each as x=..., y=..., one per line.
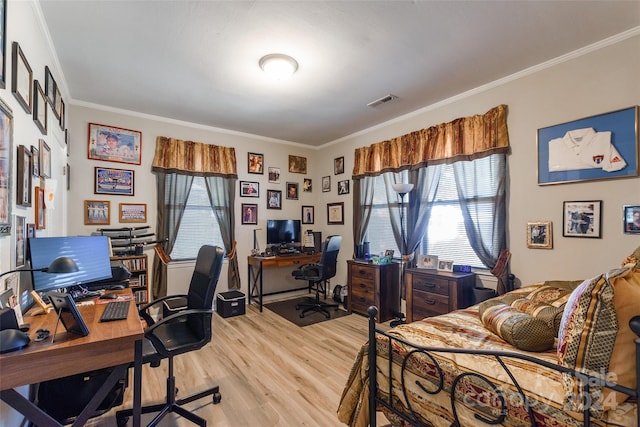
x=199, y=225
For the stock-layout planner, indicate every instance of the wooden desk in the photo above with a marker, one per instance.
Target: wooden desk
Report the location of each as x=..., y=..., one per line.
x=109, y=344
x=256, y=264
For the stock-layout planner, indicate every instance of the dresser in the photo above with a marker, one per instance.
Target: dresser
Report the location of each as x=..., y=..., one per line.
x=373, y=284
x=431, y=292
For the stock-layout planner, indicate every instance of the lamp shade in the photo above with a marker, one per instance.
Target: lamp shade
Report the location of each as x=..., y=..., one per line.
x=278, y=66
x=62, y=265
x=402, y=188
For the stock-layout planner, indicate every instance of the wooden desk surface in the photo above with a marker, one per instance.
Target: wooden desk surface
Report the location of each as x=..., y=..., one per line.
x=108, y=344
x=282, y=261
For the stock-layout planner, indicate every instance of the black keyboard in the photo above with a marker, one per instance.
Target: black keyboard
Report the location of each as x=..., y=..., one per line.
x=116, y=310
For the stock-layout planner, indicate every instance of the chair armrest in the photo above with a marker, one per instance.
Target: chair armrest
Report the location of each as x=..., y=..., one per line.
x=142, y=310
x=149, y=333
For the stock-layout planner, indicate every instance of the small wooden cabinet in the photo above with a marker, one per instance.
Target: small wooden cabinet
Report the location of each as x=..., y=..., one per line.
x=430, y=292
x=138, y=282
x=373, y=284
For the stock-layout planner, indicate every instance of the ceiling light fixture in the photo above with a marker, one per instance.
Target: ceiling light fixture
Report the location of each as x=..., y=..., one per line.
x=278, y=66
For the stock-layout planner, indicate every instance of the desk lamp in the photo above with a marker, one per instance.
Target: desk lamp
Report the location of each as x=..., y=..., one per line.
x=402, y=190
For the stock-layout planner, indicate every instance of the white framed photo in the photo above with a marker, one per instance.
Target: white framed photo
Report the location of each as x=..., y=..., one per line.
x=427, y=261
x=445, y=265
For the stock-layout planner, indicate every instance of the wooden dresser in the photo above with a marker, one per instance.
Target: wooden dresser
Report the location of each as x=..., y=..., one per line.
x=431, y=292
x=373, y=284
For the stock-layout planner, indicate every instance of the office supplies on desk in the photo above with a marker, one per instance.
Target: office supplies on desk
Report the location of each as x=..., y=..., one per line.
x=116, y=310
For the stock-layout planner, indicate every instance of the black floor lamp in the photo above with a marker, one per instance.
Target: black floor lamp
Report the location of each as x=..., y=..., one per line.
x=402, y=190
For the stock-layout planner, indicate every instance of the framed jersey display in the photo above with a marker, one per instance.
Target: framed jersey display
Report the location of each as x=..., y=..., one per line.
x=597, y=147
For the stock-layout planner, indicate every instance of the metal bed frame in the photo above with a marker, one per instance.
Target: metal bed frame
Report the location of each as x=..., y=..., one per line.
x=500, y=356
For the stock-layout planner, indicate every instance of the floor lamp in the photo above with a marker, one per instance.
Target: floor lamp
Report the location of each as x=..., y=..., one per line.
x=402, y=190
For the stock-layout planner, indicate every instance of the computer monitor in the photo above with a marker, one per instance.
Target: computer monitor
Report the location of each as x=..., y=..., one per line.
x=91, y=254
x=283, y=231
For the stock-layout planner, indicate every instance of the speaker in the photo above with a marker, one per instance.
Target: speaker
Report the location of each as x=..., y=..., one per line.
x=8, y=319
x=317, y=241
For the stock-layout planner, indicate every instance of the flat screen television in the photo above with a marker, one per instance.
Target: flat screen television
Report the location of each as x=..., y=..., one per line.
x=91, y=254
x=283, y=231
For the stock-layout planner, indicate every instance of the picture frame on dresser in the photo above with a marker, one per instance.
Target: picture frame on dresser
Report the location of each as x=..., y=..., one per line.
x=582, y=219
x=614, y=133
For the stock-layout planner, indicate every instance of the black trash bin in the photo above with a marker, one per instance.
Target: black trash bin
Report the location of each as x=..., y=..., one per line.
x=482, y=294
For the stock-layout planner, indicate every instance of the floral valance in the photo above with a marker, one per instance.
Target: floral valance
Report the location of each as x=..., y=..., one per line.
x=465, y=138
x=194, y=158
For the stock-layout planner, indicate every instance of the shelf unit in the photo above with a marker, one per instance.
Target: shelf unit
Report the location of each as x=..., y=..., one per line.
x=138, y=282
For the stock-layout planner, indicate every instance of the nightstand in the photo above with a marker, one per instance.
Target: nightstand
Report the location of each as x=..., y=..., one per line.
x=373, y=284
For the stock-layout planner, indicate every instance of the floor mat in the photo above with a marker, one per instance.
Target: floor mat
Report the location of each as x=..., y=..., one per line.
x=287, y=309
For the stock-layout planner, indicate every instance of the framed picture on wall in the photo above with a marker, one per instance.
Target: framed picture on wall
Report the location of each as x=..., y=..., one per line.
x=23, y=187
x=40, y=209
x=297, y=164
x=255, y=163
x=22, y=81
x=335, y=213
x=20, y=241
x=274, y=175
x=249, y=189
x=3, y=43
x=307, y=215
x=540, y=235
x=45, y=159
x=114, y=144
x=582, y=219
x=35, y=162
x=326, y=184
x=6, y=168
x=113, y=181
x=40, y=110
x=292, y=190
x=338, y=165
x=274, y=199
x=132, y=212
x=631, y=219
x=97, y=212
x=249, y=213
x=307, y=185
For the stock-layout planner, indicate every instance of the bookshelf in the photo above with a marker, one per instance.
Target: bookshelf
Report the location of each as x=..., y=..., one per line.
x=138, y=282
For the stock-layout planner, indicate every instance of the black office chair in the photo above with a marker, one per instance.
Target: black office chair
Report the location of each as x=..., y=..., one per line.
x=184, y=331
x=318, y=275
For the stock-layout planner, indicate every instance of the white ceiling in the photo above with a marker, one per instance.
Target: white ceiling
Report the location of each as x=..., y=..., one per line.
x=197, y=61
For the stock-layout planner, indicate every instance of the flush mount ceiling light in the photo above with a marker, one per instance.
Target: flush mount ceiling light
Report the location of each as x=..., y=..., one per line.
x=278, y=66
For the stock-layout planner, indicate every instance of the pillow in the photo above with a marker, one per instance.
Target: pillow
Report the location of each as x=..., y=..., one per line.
x=554, y=294
x=551, y=315
x=519, y=329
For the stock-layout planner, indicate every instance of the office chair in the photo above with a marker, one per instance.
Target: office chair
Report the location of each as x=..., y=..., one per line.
x=184, y=331
x=318, y=275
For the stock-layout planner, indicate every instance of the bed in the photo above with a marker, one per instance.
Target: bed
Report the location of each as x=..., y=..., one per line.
x=468, y=368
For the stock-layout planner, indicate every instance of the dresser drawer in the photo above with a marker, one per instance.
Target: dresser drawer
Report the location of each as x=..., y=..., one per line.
x=362, y=272
x=429, y=304
x=360, y=287
x=360, y=307
x=430, y=284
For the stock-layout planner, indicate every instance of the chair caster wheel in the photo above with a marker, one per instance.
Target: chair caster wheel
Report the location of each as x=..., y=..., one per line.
x=302, y=315
x=121, y=422
x=217, y=397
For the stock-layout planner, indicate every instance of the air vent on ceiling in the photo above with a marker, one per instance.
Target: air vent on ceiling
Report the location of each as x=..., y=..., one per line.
x=384, y=100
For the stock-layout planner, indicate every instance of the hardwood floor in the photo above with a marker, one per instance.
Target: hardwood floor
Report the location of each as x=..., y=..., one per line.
x=270, y=372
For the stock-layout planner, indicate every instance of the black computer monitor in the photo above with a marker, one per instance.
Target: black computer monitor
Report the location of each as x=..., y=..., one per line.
x=283, y=231
x=91, y=254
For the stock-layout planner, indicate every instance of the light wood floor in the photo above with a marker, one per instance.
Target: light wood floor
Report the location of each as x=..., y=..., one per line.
x=270, y=372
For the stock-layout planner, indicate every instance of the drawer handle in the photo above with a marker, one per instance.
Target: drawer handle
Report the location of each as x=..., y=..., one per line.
x=362, y=271
x=429, y=285
x=430, y=301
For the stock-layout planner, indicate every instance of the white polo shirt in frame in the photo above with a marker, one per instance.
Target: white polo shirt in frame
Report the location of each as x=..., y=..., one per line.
x=584, y=149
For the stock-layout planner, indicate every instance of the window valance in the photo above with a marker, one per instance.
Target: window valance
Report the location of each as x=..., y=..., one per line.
x=465, y=138
x=194, y=158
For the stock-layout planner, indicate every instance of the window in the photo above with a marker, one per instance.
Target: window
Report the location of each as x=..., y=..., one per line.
x=199, y=225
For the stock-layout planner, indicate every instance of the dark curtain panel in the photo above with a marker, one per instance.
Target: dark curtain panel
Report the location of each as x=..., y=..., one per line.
x=222, y=196
x=362, y=201
x=173, y=191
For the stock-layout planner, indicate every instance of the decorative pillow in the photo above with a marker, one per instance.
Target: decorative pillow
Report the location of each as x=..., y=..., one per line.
x=519, y=329
x=551, y=315
x=585, y=341
x=556, y=293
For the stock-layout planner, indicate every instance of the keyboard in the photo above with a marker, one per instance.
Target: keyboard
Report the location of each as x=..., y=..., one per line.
x=116, y=310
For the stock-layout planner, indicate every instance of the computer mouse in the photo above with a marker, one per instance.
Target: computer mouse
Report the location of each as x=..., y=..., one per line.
x=13, y=339
x=109, y=296
x=117, y=287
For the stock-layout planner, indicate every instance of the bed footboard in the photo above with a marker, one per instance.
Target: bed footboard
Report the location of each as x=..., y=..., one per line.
x=389, y=395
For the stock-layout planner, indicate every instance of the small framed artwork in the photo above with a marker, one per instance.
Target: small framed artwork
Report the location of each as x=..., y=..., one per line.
x=132, y=212
x=335, y=213
x=297, y=164
x=292, y=190
x=249, y=189
x=540, y=235
x=427, y=261
x=20, y=240
x=97, y=212
x=114, y=181
x=274, y=175
x=45, y=159
x=57, y=105
x=40, y=209
x=255, y=163
x=307, y=215
x=40, y=110
x=582, y=219
x=22, y=82
x=6, y=168
x=343, y=187
x=35, y=162
x=445, y=265
x=631, y=219
x=23, y=187
x=249, y=213
x=306, y=185
x=114, y=144
x=61, y=120
x=274, y=199
x=338, y=165
x=49, y=86
x=326, y=184
x=31, y=230
x=567, y=153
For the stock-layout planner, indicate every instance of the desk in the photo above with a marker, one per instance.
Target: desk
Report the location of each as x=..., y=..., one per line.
x=109, y=344
x=256, y=264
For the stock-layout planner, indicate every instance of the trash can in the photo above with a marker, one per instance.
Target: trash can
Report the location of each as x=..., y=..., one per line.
x=482, y=294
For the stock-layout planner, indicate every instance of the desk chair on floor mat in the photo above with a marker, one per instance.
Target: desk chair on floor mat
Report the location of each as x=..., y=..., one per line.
x=184, y=331
x=318, y=275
